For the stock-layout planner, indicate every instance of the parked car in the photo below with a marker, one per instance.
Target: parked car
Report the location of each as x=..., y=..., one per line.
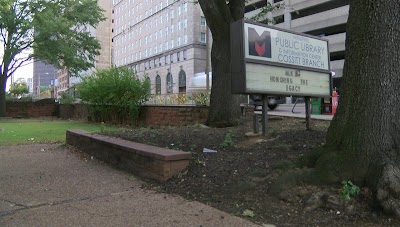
x=273, y=101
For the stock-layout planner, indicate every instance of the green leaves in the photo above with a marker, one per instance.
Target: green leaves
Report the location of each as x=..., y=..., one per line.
x=349, y=190
x=114, y=93
x=19, y=88
x=63, y=34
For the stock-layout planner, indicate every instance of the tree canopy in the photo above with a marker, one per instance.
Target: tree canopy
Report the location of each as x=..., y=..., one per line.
x=56, y=32
x=19, y=87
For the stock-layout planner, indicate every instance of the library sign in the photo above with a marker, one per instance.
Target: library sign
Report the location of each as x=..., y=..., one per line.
x=273, y=61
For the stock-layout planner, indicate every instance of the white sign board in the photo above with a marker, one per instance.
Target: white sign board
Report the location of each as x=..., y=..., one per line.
x=276, y=46
x=278, y=80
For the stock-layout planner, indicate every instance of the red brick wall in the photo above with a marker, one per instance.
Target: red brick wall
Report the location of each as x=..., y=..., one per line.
x=173, y=115
x=40, y=108
x=150, y=115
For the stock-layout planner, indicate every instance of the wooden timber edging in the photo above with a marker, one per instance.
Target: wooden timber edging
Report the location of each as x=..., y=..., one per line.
x=140, y=159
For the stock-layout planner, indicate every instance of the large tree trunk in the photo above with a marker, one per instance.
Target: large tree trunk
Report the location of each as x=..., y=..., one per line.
x=224, y=107
x=364, y=136
x=2, y=96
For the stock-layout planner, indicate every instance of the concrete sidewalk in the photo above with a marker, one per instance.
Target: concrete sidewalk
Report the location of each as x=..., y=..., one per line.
x=50, y=185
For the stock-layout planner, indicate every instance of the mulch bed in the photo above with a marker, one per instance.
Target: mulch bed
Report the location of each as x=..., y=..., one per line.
x=238, y=177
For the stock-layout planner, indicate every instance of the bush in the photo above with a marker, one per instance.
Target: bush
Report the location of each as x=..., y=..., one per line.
x=114, y=93
x=66, y=98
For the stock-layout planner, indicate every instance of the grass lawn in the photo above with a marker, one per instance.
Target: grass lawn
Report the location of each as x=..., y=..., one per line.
x=30, y=131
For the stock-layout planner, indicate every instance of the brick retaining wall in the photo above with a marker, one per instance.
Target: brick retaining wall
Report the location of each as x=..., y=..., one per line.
x=26, y=109
x=141, y=159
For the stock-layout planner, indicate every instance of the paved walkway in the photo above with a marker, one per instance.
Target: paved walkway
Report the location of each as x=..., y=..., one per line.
x=51, y=185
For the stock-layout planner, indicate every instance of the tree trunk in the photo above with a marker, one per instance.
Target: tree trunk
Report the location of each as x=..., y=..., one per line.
x=364, y=136
x=224, y=106
x=3, y=82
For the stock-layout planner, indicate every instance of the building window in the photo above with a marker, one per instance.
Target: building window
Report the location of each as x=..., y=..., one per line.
x=172, y=28
x=179, y=10
x=185, y=39
x=172, y=14
x=203, y=37
x=155, y=36
x=160, y=19
x=150, y=52
x=185, y=7
x=172, y=44
x=178, y=56
x=160, y=47
x=185, y=55
x=154, y=62
x=155, y=50
x=160, y=33
x=179, y=41
x=202, y=21
x=150, y=64
x=166, y=32
x=166, y=45
x=149, y=82
x=166, y=60
x=159, y=61
x=172, y=58
x=182, y=81
x=169, y=83
x=179, y=25
x=185, y=23
x=158, y=84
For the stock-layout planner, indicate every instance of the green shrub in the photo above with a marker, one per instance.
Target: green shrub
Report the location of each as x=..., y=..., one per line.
x=349, y=190
x=113, y=94
x=66, y=98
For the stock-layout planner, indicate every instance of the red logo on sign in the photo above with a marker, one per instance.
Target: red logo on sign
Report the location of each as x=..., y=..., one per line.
x=260, y=49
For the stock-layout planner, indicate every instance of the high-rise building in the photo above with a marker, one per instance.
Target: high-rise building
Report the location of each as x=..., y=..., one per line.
x=30, y=85
x=103, y=33
x=324, y=18
x=162, y=40
x=44, y=75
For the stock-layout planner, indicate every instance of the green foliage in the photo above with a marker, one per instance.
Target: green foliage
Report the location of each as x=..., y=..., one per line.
x=261, y=16
x=228, y=141
x=19, y=88
x=349, y=190
x=57, y=31
x=67, y=98
x=114, y=93
x=201, y=98
x=248, y=213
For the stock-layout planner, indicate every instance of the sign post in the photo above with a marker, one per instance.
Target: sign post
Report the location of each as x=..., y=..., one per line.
x=264, y=115
x=267, y=60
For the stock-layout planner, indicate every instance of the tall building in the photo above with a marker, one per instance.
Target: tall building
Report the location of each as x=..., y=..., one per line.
x=103, y=33
x=162, y=40
x=44, y=75
x=324, y=18
x=30, y=85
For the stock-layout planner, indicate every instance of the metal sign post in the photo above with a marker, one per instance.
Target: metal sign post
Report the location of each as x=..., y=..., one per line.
x=265, y=115
x=308, y=112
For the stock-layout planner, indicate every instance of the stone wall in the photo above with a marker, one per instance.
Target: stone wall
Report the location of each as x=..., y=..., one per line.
x=26, y=109
x=150, y=115
x=74, y=111
x=143, y=160
x=173, y=115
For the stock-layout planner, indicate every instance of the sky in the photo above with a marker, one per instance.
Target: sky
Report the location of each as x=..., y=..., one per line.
x=22, y=72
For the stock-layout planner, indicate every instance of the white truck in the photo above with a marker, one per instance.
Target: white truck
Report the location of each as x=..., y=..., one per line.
x=198, y=83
